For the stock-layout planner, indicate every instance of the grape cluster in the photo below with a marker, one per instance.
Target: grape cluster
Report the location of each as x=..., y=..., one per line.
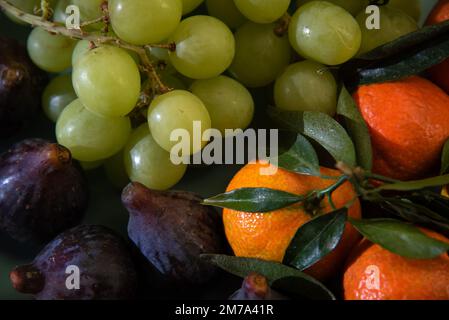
x=207, y=61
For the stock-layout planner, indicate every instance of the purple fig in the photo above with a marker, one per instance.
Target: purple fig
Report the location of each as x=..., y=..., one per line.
x=172, y=229
x=255, y=287
x=21, y=86
x=83, y=263
x=42, y=192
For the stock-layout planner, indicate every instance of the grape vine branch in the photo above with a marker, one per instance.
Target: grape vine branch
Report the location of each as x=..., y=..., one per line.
x=45, y=23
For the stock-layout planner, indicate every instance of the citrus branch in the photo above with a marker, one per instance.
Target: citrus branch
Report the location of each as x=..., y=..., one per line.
x=57, y=28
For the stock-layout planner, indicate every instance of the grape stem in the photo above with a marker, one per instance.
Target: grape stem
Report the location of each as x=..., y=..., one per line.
x=56, y=28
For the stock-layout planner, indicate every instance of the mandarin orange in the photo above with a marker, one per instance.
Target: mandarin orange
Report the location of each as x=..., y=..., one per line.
x=267, y=235
x=409, y=124
x=374, y=273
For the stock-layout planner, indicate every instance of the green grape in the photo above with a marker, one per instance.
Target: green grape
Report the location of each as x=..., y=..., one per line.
x=260, y=54
x=57, y=95
x=91, y=137
x=81, y=48
x=24, y=5
x=205, y=47
x=144, y=21
x=89, y=9
x=177, y=109
x=115, y=170
x=91, y=165
x=324, y=32
x=394, y=23
x=50, y=52
x=262, y=11
x=190, y=5
x=107, y=81
x=230, y=105
x=306, y=86
x=352, y=6
x=147, y=163
x=227, y=12
x=59, y=14
x=410, y=7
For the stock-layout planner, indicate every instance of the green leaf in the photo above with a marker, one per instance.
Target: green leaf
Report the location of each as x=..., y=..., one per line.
x=305, y=285
x=255, y=200
x=301, y=158
x=415, y=213
x=357, y=128
x=416, y=185
x=445, y=158
x=400, y=238
x=407, y=41
x=316, y=239
x=321, y=128
x=406, y=56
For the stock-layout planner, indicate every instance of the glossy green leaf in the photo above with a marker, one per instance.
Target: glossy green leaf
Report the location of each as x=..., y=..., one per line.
x=321, y=128
x=300, y=158
x=316, y=239
x=305, y=285
x=256, y=200
x=445, y=159
x=409, y=55
x=416, y=185
x=400, y=238
x=357, y=128
x=408, y=41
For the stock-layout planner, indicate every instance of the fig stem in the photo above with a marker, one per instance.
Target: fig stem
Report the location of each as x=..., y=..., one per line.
x=27, y=279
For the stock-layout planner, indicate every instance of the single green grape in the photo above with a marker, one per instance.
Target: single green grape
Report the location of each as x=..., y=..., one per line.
x=24, y=5
x=205, y=47
x=352, y=6
x=147, y=163
x=394, y=23
x=262, y=11
x=50, y=52
x=230, y=105
x=115, y=170
x=91, y=165
x=107, y=81
x=410, y=7
x=306, y=86
x=59, y=14
x=174, y=110
x=81, y=48
x=227, y=12
x=58, y=94
x=89, y=9
x=91, y=137
x=144, y=21
x=260, y=54
x=190, y=5
x=325, y=32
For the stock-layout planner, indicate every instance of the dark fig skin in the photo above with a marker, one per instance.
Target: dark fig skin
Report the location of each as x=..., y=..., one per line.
x=255, y=287
x=42, y=192
x=21, y=86
x=103, y=258
x=172, y=229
